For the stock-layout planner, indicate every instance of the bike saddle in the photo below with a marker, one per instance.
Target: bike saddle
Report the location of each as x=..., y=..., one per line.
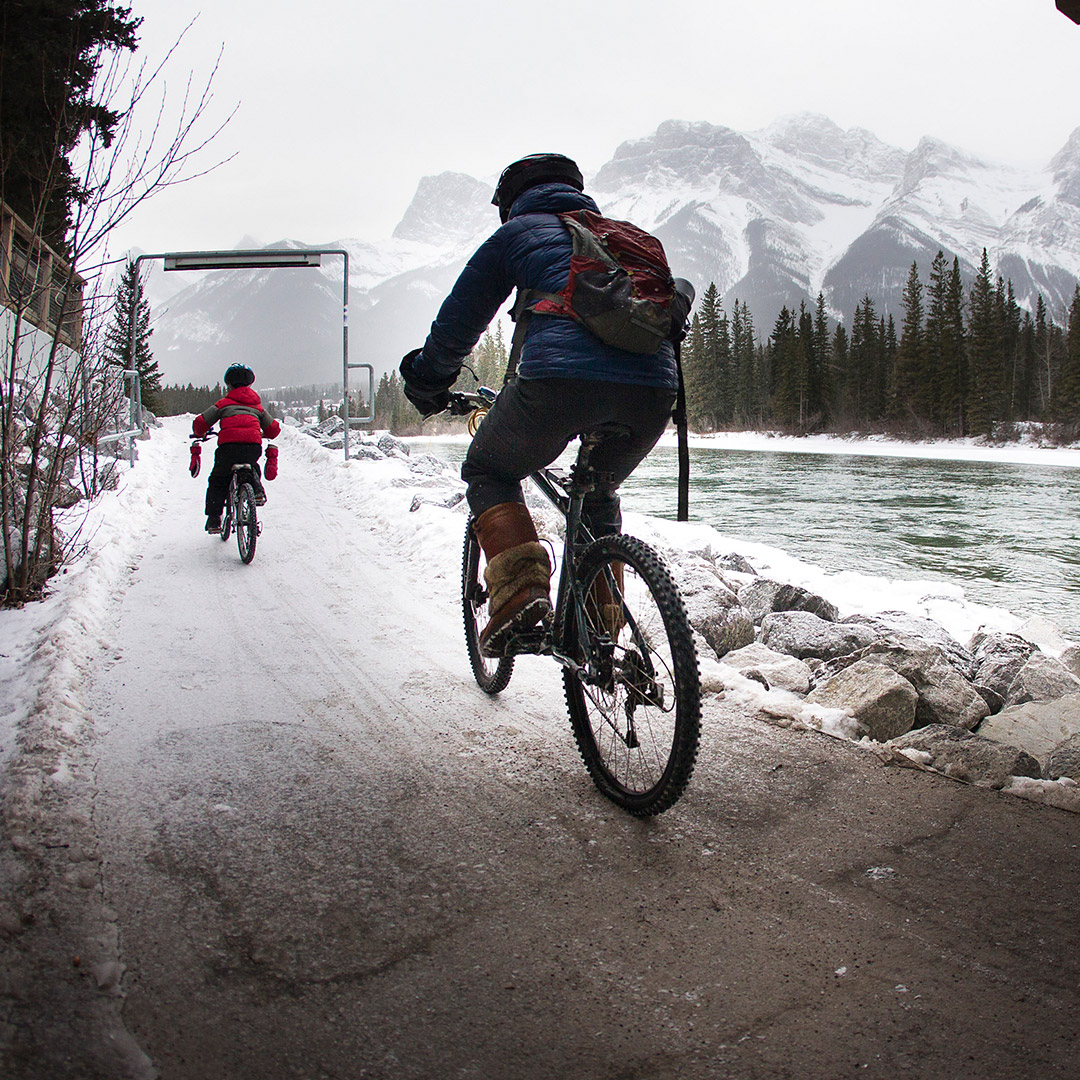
x=609, y=430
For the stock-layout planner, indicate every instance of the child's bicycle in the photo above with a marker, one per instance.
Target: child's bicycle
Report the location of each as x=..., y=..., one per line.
x=619, y=631
x=240, y=511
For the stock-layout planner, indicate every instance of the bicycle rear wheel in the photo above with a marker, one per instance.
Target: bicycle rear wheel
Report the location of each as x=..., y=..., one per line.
x=247, y=522
x=491, y=675
x=634, y=694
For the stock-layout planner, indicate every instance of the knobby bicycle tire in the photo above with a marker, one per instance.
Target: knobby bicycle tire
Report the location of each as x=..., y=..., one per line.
x=247, y=522
x=635, y=706
x=491, y=675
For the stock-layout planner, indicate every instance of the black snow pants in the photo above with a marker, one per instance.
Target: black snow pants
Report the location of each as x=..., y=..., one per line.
x=226, y=456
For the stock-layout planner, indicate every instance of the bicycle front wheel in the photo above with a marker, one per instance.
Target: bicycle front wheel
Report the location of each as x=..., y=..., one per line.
x=491, y=675
x=633, y=689
x=247, y=522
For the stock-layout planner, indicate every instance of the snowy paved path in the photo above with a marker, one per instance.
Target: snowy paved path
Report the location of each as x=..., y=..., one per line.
x=320, y=851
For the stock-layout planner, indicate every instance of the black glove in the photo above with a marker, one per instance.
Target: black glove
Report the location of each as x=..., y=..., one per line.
x=428, y=397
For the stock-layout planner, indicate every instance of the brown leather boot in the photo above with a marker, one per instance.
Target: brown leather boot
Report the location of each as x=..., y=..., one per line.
x=518, y=574
x=602, y=604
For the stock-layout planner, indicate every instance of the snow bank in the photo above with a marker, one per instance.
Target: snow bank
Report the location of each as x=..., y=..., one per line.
x=413, y=502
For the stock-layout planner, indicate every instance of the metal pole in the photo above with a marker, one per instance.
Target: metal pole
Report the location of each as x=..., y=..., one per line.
x=345, y=349
x=135, y=411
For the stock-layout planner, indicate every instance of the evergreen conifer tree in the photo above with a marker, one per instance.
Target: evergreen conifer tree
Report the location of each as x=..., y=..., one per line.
x=953, y=355
x=932, y=378
x=839, y=353
x=820, y=383
x=788, y=365
x=130, y=302
x=50, y=55
x=904, y=391
x=1067, y=404
x=694, y=374
x=986, y=395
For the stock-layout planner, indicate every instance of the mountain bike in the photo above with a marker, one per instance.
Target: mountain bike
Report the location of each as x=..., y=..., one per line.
x=240, y=511
x=620, y=633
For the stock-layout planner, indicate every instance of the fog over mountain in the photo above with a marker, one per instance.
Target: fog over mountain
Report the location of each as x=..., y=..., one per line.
x=772, y=217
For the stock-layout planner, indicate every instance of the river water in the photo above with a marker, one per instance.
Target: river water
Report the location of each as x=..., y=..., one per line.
x=1007, y=533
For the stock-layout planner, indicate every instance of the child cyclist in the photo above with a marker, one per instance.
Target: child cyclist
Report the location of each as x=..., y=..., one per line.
x=242, y=425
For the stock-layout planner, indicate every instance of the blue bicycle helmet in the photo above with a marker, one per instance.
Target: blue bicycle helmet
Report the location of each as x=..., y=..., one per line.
x=239, y=375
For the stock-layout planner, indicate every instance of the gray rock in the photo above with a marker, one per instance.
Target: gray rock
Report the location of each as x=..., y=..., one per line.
x=945, y=696
x=777, y=669
x=994, y=701
x=803, y=634
x=445, y=504
x=714, y=609
x=1037, y=726
x=904, y=624
x=67, y=495
x=1042, y=678
x=330, y=425
x=735, y=563
x=429, y=465
x=1064, y=760
x=882, y=701
x=966, y=756
x=392, y=447
x=996, y=659
x=763, y=596
x=368, y=453
x=1071, y=659
x=731, y=628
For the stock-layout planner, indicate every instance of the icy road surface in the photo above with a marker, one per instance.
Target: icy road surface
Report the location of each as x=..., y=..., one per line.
x=289, y=837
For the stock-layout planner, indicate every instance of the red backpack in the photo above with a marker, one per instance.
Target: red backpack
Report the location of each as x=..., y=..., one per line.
x=620, y=285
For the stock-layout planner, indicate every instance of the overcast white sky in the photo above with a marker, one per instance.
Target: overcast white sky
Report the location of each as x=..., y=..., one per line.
x=345, y=104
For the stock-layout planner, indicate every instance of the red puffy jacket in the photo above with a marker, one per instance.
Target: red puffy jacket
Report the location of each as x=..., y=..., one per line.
x=240, y=418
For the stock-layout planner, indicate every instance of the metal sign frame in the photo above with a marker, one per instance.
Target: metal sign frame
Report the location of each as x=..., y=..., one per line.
x=271, y=258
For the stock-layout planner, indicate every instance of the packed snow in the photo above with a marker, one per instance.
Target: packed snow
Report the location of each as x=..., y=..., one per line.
x=413, y=504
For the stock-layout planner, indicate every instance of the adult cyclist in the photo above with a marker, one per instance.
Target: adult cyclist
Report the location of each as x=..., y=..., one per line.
x=567, y=381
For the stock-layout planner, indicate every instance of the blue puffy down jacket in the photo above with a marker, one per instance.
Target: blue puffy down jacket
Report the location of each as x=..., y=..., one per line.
x=532, y=251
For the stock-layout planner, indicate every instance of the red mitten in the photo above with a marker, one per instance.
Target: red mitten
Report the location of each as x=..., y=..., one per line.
x=196, y=458
x=270, y=472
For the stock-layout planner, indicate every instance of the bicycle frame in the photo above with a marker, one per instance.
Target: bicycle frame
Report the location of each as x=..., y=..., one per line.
x=569, y=499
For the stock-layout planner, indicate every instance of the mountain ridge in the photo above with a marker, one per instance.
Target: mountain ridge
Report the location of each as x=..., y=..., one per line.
x=773, y=217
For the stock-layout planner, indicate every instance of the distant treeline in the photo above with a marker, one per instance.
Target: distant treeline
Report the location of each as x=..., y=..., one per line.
x=176, y=400
x=319, y=398
x=963, y=363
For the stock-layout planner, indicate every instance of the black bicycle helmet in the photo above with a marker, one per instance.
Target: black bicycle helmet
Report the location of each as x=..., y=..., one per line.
x=530, y=171
x=239, y=375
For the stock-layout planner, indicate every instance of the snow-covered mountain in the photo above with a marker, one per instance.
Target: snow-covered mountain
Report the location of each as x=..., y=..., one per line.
x=772, y=217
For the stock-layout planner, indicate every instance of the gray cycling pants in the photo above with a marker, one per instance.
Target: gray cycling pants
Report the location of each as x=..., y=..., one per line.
x=533, y=420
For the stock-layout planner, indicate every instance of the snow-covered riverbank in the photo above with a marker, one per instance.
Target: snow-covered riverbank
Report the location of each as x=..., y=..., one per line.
x=48, y=651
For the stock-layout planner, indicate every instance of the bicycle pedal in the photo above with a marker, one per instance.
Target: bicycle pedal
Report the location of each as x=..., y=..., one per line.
x=533, y=643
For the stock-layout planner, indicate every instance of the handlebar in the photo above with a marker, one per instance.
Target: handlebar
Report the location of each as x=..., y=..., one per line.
x=461, y=403
x=474, y=405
